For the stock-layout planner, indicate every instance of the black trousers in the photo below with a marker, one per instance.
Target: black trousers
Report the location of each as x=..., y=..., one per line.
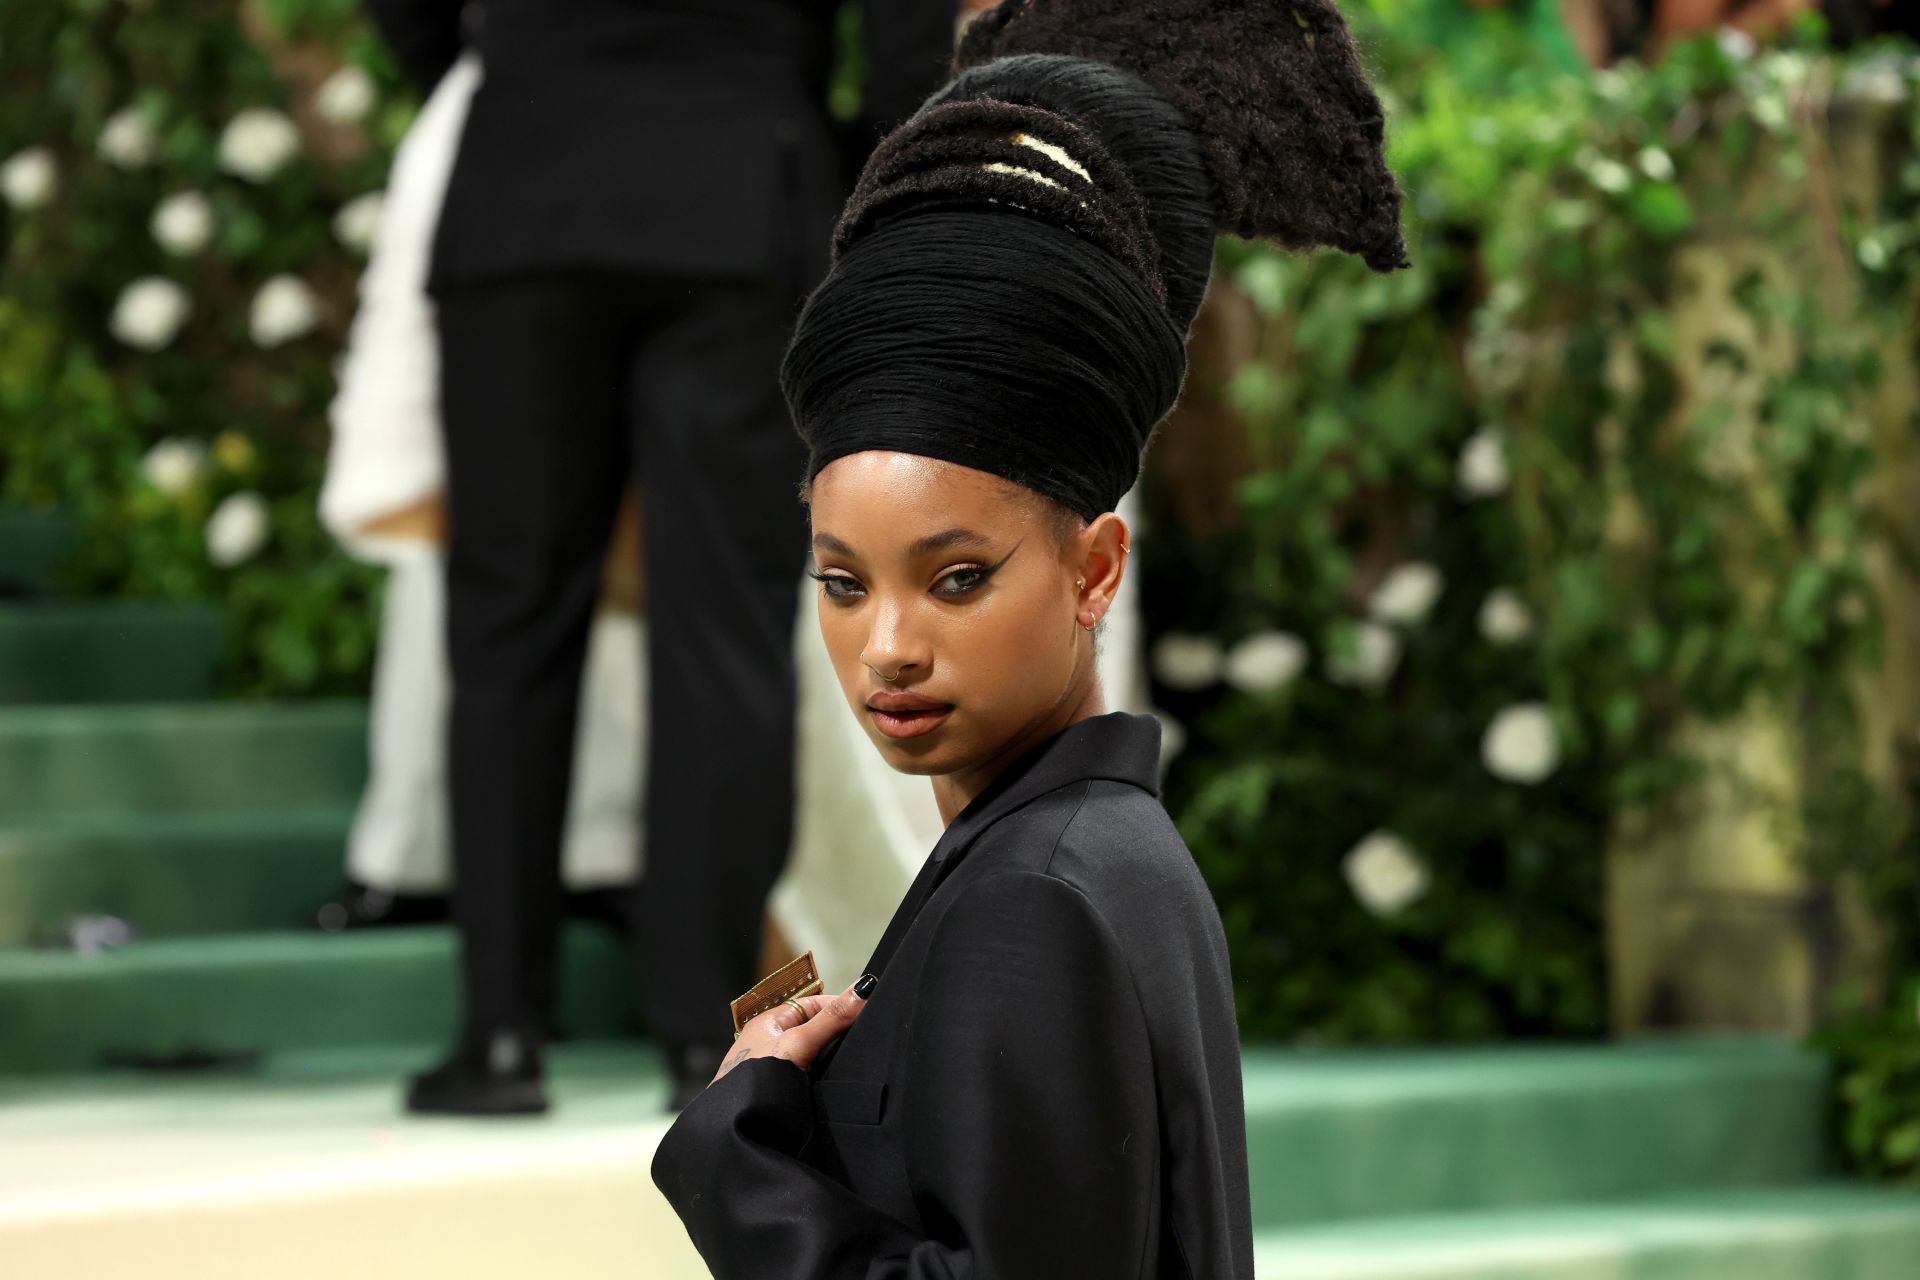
x=556, y=388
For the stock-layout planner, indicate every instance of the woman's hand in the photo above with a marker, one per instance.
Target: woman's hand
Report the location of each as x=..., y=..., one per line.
x=781, y=1032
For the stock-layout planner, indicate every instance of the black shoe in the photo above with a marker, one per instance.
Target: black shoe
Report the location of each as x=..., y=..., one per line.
x=499, y=1074
x=359, y=906
x=693, y=1065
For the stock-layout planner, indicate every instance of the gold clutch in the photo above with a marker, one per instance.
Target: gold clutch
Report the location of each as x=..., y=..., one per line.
x=798, y=977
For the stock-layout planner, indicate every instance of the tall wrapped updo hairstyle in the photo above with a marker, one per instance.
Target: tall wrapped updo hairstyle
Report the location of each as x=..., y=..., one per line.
x=1016, y=271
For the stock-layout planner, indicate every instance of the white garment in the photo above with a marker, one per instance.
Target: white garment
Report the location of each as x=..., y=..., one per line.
x=386, y=454
x=399, y=838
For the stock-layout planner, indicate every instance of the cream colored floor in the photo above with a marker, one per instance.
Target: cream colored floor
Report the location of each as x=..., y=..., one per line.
x=311, y=1169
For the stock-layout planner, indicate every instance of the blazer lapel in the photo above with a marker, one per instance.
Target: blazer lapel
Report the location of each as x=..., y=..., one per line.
x=1120, y=745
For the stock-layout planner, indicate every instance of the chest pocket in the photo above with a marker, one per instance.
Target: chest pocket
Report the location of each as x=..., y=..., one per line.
x=850, y=1101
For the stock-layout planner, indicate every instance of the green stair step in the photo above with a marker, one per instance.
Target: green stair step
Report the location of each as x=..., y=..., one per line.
x=1816, y=1232
x=1336, y=1134
x=33, y=546
x=61, y=1011
x=171, y=874
x=106, y=651
x=170, y=758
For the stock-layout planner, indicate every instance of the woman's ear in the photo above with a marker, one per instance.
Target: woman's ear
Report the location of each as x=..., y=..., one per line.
x=1103, y=561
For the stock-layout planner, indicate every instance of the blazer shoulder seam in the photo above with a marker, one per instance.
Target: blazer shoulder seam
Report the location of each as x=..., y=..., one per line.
x=1046, y=867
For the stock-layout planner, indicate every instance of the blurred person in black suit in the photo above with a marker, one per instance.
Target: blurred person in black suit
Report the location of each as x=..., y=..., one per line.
x=641, y=200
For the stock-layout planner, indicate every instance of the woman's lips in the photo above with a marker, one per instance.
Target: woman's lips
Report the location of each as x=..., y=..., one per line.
x=909, y=724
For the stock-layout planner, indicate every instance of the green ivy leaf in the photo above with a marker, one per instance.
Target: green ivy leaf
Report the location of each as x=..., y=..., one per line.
x=1662, y=208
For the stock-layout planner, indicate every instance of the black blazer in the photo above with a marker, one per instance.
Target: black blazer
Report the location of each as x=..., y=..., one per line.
x=682, y=136
x=1046, y=1082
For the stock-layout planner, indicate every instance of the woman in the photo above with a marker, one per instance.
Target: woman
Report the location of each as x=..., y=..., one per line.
x=1039, y=1074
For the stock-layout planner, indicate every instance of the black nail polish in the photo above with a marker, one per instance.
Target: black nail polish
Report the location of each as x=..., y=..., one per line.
x=864, y=987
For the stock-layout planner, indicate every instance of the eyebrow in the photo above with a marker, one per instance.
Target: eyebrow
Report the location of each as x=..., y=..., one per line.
x=921, y=546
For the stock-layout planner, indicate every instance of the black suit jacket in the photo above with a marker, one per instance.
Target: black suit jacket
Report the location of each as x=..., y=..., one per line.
x=681, y=136
x=1045, y=1083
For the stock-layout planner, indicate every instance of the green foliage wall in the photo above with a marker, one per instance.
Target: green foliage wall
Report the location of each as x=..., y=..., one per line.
x=247, y=139
x=1600, y=466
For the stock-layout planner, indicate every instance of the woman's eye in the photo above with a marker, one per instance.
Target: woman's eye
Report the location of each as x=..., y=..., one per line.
x=972, y=580
x=828, y=579
x=967, y=580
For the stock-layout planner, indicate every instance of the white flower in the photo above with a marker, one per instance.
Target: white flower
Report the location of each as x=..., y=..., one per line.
x=1265, y=662
x=284, y=309
x=127, y=139
x=173, y=466
x=1376, y=654
x=1482, y=470
x=257, y=142
x=1185, y=661
x=1788, y=69
x=346, y=96
x=1407, y=594
x=183, y=222
x=1521, y=744
x=1770, y=109
x=1879, y=80
x=27, y=178
x=1505, y=298
x=1610, y=175
x=1656, y=164
x=1736, y=44
x=359, y=220
x=149, y=313
x=237, y=529
x=1505, y=618
x=1384, y=873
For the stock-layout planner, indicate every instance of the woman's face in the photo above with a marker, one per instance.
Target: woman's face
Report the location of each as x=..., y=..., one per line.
x=955, y=583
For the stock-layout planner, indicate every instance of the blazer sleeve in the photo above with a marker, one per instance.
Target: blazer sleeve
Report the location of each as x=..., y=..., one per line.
x=1031, y=1139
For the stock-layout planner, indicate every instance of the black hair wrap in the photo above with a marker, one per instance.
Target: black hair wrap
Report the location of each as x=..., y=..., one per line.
x=1016, y=272
x=1021, y=354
